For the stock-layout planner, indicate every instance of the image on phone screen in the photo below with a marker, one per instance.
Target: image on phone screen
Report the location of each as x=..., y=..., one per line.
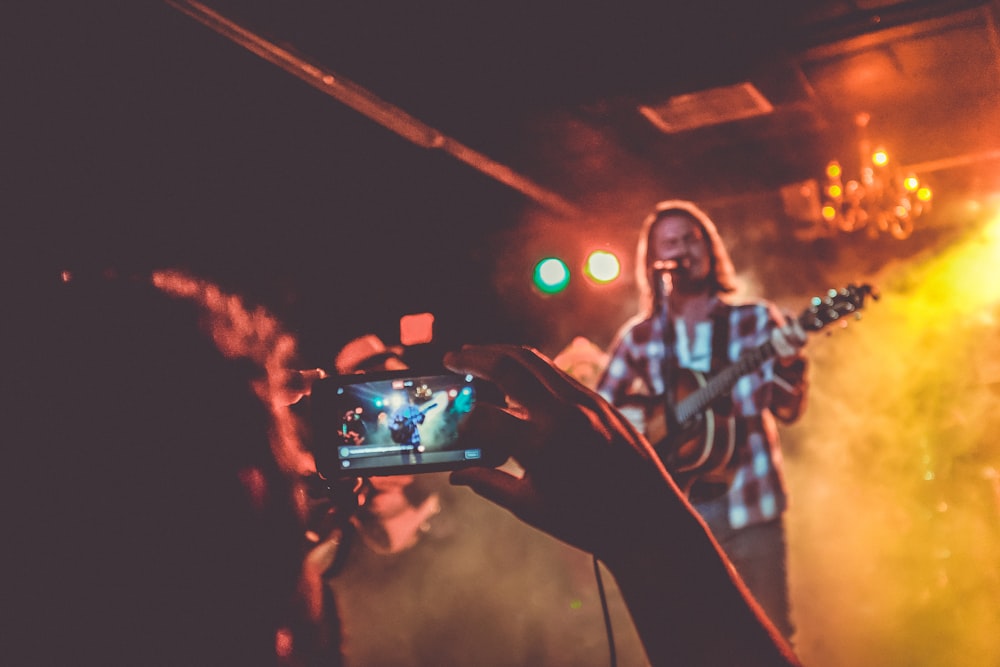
x=402, y=422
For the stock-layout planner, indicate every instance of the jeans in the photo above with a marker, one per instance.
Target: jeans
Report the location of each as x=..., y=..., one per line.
x=758, y=553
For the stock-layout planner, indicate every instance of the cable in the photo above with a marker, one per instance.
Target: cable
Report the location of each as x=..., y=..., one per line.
x=613, y=660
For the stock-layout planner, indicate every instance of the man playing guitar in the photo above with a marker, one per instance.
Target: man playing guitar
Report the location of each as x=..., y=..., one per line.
x=726, y=456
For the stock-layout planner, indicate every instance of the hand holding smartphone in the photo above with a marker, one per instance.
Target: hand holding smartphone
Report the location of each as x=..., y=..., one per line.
x=395, y=423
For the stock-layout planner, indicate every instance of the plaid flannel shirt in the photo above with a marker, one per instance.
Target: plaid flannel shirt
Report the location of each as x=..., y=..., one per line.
x=643, y=354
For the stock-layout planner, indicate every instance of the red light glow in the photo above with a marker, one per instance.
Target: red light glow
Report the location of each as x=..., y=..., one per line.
x=416, y=329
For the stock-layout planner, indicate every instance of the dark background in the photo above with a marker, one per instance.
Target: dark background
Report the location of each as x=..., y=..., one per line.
x=136, y=137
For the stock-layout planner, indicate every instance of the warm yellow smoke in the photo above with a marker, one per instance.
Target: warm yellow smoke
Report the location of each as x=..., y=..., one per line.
x=895, y=525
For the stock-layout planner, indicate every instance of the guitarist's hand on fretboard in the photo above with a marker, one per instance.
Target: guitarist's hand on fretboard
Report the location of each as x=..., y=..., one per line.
x=788, y=340
x=688, y=453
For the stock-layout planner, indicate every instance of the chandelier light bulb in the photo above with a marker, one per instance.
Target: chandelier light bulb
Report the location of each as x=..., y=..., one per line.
x=881, y=198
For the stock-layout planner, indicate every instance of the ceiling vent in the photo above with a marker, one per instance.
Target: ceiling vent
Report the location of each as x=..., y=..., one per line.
x=708, y=107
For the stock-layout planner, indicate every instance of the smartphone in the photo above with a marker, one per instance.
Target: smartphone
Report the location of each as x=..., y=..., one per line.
x=395, y=423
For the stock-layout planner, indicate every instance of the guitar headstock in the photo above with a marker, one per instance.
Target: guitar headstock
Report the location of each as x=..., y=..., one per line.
x=835, y=305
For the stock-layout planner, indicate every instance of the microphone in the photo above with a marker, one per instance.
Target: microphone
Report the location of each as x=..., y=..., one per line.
x=663, y=280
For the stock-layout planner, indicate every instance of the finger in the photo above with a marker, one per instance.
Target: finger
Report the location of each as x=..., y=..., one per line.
x=781, y=346
x=559, y=382
x=505, y=366
x=579, y=398
x=553, y=399
x=799, y=333
x=294, y=384
x=524, y=374
x=495, y=429
x=784, y=342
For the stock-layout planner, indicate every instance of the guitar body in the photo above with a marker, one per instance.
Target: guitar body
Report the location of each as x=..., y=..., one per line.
x=693, y=430
x=700, y=449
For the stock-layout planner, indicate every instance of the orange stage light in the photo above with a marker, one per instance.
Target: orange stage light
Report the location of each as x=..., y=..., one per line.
x=602, y=266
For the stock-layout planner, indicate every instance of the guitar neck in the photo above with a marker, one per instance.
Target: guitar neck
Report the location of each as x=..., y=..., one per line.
x=719, y=384
x=822, y=311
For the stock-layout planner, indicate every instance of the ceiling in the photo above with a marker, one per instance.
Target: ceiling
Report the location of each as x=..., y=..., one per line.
x=145, y=130
x=927, y=72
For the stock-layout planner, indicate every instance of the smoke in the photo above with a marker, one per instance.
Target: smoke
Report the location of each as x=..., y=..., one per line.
x=894, y=529
x=479, y=588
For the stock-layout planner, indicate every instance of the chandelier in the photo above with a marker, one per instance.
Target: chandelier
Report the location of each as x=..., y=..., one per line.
x=883, y=199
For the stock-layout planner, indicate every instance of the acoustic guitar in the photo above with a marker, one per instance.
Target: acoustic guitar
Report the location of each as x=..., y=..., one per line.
x=695, y=437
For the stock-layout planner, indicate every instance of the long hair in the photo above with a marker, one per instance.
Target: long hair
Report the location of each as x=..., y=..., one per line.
x=253, y=334
x=722, y=272
x=141, y=449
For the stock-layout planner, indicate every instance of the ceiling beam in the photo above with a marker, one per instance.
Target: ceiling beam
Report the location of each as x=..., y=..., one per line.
x=364, y=101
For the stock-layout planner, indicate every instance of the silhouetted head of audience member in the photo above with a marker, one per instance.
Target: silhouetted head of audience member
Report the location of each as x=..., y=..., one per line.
x=147, y=518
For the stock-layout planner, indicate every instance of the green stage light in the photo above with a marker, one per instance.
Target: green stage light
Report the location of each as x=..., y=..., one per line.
x=551, y=275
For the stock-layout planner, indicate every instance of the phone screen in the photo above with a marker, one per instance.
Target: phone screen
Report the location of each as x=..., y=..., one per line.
x=393, y=423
